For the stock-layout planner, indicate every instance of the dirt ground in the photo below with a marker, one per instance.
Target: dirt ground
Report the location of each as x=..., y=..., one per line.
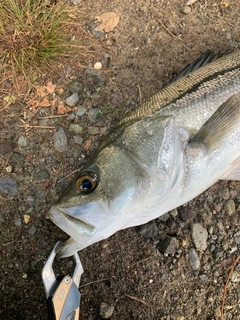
x=125, y=271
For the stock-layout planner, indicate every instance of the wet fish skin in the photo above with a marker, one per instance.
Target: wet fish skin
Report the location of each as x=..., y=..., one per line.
x=161, y=155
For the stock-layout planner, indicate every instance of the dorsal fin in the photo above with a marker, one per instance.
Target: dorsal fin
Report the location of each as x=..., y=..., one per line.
x=204, y=59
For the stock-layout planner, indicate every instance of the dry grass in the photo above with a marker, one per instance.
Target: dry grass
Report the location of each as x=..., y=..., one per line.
x=31, y=34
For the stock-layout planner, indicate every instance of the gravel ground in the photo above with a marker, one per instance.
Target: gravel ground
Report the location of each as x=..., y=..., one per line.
x=172, y=268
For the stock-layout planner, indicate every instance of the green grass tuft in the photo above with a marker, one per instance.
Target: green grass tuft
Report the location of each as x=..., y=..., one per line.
x=31, y=34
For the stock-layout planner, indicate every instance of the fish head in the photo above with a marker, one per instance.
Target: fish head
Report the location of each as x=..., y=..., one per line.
x=124, y=180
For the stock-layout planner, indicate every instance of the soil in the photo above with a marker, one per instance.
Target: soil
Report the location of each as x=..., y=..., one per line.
x=126, y=271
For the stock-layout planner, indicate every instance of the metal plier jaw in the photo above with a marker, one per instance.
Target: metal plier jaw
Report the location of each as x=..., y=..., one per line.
x=63, y=296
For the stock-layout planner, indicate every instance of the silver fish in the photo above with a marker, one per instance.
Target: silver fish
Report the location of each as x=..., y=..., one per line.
x=163, y=154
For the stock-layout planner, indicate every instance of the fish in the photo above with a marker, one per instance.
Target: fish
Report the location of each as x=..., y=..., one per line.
x=161, y=155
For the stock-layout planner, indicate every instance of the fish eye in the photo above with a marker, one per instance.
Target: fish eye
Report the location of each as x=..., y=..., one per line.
x=86, y=182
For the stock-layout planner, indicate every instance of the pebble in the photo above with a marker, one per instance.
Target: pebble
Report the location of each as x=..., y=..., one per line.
x=203, y=277
x=92, y=72
x=149, y=230
x=186, y=10
x=17, y=158
x=199, y=235
x=78, y=140
x=76, y=86
x=169, y=245
x=93, y=130
x=193, y=259
x=9, y=186
x=110, y=42
x=18, y=222
x=186, y=214
x=60, y=140
x=75, y=128
x=72, y=100
x=32, y=230
x=87, y=144
x=173, y=213
x=98, y=65
x=41, y=174
x=105, y=310
x=22, y=141
x=75, y=2
x=96, y=34
x=9, y=169
x=80, y=111
x=235, y=276
x=230, y=207
x=41, y=196
x=93, y=114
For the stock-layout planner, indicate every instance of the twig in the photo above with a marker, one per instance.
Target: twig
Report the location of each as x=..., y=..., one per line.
x=28, y=127
x=139, y=93
x=137, y=299
x=7, y=243
x=69, y=174
x=135, y=263
x=226, y=284
x=171, y=34
x=96, y=281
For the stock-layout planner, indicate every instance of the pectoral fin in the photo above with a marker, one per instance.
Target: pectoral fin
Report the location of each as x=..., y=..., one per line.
x=222, y=126
x=234, y=171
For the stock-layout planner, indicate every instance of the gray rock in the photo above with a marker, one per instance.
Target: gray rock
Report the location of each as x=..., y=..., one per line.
x=72, y=100
x=2, y=218
x=97, y=34
x=93, y=114
x=93, y=72
x=203, y=277
x=169, y=245
x=80, y=111
x=60, y=140
x=105, y=310
x=75, y=128
x=17, y=158
x=78, y=140
x=18, y=222
x=93, y=130
x=9, y=186
x=76, y=86
x=186, y=214
x=22, y=141
x=149, y=230
x=32, y=230
x=193, y=259
x=41, y=174
x=230, y=207
x=164, y=217
x=235, y=276
x=199, y=235
x=41, y=195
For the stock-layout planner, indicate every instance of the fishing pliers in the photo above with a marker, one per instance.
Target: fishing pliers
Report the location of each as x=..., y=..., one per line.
x=63, y=296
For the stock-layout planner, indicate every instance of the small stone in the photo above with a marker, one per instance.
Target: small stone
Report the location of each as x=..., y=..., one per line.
x=235, y=276
x=24, y=276
x=228, y=35
x=22, y=141
x=75, y=86
x=78, y=140
x=186, y=214
x=230, y=207
x=218, y=313
x=41, y=174
x=9, y=186
x=97, y=34
x=32, y=230
x=18, y=222
x=60, y=140
x=80, y=111
x=186, y=10
x=93, y=114
x=93, y=130
x=41, y=196
x=75, y=128
x=193, y=259
x=149, y=230
x=26, y=218
x=105, y=310
x=173, y=213
x=98, y=65
x=9, y=169
x=87, y=144
x=199, y=235
x=110, y=42
x=17, y=158
x=203, y=277
x=72, y=100
x=169, y=245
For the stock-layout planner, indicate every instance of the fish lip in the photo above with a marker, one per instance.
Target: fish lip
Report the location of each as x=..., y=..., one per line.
x=56, y=212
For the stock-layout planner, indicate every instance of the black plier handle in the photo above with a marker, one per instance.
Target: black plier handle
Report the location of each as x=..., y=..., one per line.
x=63, y=296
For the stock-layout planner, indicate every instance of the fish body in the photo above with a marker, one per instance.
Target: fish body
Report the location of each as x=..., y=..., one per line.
x=161, y=155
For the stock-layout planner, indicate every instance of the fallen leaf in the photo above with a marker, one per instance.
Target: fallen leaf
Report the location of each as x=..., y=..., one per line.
x=109, y=20
x=41, y=91
x=50, y=87
x=62, y=109
x=44, y=103
x=10, y=99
